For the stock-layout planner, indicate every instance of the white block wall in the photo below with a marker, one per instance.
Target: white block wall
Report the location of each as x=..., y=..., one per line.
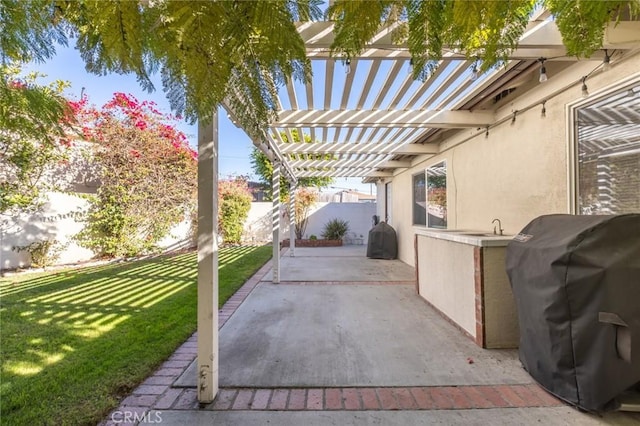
x=359, y=215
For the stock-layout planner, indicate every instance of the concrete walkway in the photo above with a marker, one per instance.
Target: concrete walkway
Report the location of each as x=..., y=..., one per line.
x=345, y=340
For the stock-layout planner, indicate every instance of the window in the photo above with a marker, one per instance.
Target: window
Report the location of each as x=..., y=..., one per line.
x=608, y=153
x=437, y=195
x=419, y=200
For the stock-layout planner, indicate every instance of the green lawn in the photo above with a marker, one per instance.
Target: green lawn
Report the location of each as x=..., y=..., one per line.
x=73, y=342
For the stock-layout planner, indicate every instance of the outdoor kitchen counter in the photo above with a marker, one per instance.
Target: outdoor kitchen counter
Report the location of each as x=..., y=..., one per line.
x=474, y=238
x=462, y=274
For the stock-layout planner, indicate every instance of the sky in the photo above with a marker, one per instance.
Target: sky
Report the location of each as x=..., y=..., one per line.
x=234, y=146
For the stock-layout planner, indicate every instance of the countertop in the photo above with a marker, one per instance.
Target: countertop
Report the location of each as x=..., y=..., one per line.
x=466, y=236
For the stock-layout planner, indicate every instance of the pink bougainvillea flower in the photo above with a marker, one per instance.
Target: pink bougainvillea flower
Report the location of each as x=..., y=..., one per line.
x=17, y=84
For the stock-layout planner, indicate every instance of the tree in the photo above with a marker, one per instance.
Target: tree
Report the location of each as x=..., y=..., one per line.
x=147, y=176
x=234, y=203
x=207, y=52
x=263, y=167
x=34, y=124
x=240, y=52
x=305, y=199
x=483, y=30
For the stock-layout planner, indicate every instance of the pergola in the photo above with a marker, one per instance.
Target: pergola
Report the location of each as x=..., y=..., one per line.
x=367, y=117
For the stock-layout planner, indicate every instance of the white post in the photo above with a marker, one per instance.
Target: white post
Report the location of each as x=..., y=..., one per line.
x=208, y=260
x=292, y=220
x=381, y=199
x=275, y=216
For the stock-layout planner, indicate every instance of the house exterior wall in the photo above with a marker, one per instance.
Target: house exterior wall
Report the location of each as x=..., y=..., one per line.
x=520, y=171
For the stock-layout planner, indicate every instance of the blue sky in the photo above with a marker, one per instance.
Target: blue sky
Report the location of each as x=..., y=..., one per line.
x=234, y=146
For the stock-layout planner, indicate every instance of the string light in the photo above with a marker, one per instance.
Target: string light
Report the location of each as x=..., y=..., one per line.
x=486, y=134
x=543, y=113
x=585, y=90
x=543, y=71
x=606, y=62
x=474, y=72
x=411, y=66
x=513, y=119
x=347, y=64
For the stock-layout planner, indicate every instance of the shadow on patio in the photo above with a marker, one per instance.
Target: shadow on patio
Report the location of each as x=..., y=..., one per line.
x=349, y=336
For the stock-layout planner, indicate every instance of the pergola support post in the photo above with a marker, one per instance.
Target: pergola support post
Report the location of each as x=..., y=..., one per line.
x=292, y=220
x=275, y=186
x=207, y=260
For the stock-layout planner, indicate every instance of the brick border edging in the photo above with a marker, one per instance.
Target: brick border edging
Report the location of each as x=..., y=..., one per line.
x=383, y=398
x=408, y=282
x=156, y=391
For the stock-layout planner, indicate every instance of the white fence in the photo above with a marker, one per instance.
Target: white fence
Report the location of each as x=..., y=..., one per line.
x=58, y=221
x=359, y=215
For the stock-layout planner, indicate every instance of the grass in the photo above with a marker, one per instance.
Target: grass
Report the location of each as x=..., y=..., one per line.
x=74, y=342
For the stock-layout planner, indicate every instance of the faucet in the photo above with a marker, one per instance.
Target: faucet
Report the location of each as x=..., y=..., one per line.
x=499, y=226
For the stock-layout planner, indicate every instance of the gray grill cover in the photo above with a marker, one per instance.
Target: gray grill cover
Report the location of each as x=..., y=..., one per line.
x=382, y=242
x=576, y=282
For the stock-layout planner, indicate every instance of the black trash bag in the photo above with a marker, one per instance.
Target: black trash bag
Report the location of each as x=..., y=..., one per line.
x=576, y=282
x=382, y=242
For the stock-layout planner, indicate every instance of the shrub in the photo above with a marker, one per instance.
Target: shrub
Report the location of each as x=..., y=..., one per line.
x=234, y=204
x=313, y=237
x=335, y=229
x=43, y=253
x=147, y=175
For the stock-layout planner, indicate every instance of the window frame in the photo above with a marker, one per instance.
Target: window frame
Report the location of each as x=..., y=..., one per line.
x=573, y=178
x=413, y=198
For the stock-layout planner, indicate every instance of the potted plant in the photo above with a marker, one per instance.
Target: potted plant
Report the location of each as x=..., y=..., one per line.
x=335, y=230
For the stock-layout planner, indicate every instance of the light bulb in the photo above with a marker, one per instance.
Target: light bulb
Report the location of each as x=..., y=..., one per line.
x=474, y=74
x=585, y=90
x=543, y=74
x=347, y=64
x=606, y=62
x=543, y=71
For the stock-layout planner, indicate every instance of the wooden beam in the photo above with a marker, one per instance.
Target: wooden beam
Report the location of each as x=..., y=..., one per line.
x=207, y=376
x=394, y=164
x=384, y=118
x=358, y=148
x=542, y=39
x=347, y=172
x=275, y=220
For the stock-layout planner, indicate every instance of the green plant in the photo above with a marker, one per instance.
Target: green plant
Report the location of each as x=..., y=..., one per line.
x=35, y=121
x=313, y=237
x=147, y=176
x=234, y=204
x=335, y=229
x=305, y=198
x=263, y=167
x=43, y=253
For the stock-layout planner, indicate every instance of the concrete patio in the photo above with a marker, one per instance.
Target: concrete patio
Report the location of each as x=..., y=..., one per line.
x=345, y=340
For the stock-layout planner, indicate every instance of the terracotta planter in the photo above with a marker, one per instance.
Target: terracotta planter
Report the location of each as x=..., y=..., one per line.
x=313, y=243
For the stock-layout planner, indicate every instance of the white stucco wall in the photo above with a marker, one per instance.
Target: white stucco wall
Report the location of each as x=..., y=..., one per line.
x=47, y=224
x=359, y=216
x=519, y=171
x=257, y=227
x=56, y=221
